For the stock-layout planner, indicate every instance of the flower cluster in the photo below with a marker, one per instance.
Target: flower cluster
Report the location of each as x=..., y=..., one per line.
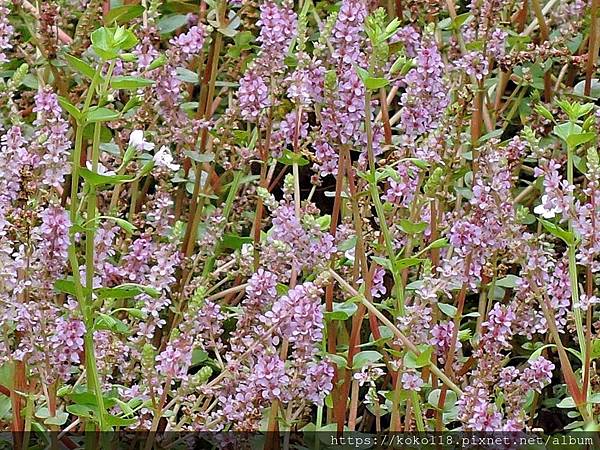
x=6, y=31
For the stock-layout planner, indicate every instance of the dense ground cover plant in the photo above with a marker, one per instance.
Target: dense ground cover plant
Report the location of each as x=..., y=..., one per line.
x=299, y=216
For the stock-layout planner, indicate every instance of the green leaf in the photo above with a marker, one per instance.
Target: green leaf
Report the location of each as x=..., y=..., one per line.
x=242, y=42
x=369, y=81
x=438, y=243
x=102, y=44
x=363, y=358
x=189, y=107
x=106, y=322
x=234, y=242
x=126, y=290
x=105, y=134
x=117, y=292
x=101, y=114
x=282, y=289
x=449, y=310
x=59, y=419
x=408, y=262
x=97, y=179
x=123, y=14
x=338, y=360
x=579, y=88
x=31, y=82
x=126, y=225
x=492, y=134
x=67, y=286
x=374, y=83
x=466, y=334
x=362, y=73
x=84, y=411
x=509, y=281
x=564, y=130
x=5, y=407
x=83, y=397
x=127, y=410
x=434, y=399
x=538, y=352
x=199, y=157
x=567, y=236
x=460, y=20
x=134, y=312
x=383, y=262
x=324, y=222
x=187, y=75
x=575, y=140
x=130, y=82
x=541, y=109
x=158, y=62
x=42, y=413
x=289, y=158
x=124, y=39
x=71, y=109
x=402, y=65
x=168, y=24
x=412, y=361
x=595, y=349
x=412, y=228
x=341, y=311
x=348, y=244
x=114, y=421
x=80, y=66
x=566, y=403
x=198, y=356
x=107, y=42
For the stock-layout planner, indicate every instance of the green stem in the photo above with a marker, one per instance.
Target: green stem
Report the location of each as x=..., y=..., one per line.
x=158, y=411
x=90, y=357
x=573, y=267
x=28, y=421
x=85, y=297
x=79, y=143
x=387, y=236
x=233, y=190
x=417, y=407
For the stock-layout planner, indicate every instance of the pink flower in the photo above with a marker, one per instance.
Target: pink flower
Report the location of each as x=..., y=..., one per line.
x=411, y=381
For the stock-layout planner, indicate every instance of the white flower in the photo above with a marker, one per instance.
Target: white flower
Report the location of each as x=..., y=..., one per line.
x=136, y=140
x=163, y=158
x=546, y=213
x=102, y=170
